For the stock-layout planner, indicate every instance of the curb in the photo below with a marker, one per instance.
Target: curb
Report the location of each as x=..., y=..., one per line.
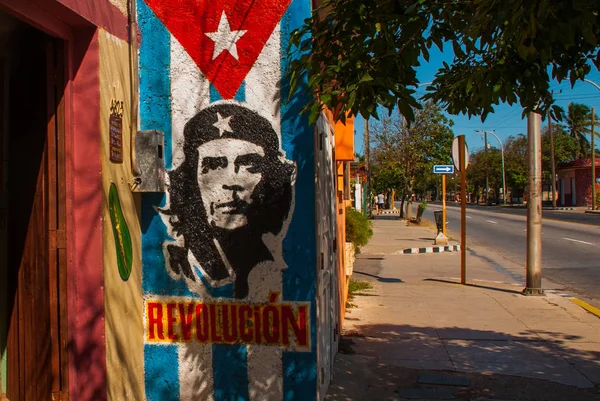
x=388, y=212
x=558, y=208
x=430, y=249
x=590, y=308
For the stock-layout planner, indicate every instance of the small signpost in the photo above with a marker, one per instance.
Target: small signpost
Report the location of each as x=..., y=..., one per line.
x=443, y=169
x=460, y=157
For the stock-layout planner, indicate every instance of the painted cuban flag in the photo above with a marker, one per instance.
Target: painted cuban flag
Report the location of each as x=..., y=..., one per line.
x=228, y=251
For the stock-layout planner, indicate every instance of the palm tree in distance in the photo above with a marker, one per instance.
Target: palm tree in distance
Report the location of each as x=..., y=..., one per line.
x=579, y=121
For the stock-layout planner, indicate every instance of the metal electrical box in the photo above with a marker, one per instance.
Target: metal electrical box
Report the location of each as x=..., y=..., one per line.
x=149, y=161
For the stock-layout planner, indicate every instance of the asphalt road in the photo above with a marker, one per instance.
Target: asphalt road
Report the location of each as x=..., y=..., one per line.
x=570, y=244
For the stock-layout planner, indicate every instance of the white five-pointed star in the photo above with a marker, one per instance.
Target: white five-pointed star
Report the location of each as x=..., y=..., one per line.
x=225, y=38
x=222, y=124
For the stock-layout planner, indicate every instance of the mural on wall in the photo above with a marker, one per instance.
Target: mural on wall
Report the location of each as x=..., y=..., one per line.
x=228, y=252
x=233, y=187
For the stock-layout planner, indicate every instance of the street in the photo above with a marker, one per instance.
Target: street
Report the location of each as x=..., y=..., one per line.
x=571, y=250
x=411, y=319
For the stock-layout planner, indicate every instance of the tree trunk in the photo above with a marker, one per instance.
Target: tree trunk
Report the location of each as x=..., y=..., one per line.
x=409, y=193
x=402, y=204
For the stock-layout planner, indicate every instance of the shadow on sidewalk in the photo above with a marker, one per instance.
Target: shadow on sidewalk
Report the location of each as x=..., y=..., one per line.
x=439, y=280
x=380, y=279
x=387, y=217
x=379, y=359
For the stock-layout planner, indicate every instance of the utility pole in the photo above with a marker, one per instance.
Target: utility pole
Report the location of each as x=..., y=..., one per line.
x=462, y=162
x=502, y=155
x=593, y=161
x=552, y=160
x=487, y=163
x=552, y=154
x=534, y=206
x=367, y=168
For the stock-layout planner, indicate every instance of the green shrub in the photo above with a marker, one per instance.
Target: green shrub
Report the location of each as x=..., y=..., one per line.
x=356, y=286
x=358, y=228
x=588, y=195
x=422, y=207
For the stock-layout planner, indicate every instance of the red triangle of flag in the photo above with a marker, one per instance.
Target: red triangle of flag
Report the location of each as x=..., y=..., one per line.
x=225, y=51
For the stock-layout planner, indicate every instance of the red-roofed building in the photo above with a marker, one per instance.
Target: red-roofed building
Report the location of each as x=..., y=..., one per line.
x=574, y=180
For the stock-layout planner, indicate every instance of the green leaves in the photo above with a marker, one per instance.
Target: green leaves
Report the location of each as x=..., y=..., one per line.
x=357, y=54
x=403, y=154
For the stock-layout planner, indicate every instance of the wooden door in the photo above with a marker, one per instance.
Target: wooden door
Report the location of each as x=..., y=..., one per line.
x=36, y=352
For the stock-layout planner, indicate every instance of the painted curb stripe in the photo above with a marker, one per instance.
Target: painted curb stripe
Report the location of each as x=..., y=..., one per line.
x=592, y=309
x=430, y=249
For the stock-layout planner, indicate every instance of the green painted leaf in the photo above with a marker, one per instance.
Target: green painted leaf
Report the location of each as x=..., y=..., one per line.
x=121, y=234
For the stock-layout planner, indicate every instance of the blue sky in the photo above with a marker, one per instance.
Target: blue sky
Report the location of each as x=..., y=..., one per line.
x=506, y=120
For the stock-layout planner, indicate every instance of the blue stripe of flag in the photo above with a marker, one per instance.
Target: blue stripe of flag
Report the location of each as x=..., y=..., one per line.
x=299, y=246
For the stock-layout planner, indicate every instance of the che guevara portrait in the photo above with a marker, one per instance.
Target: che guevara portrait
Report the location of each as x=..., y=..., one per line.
x=233, y=186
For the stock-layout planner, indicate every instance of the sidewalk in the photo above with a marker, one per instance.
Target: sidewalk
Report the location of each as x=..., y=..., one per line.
x=417, y=319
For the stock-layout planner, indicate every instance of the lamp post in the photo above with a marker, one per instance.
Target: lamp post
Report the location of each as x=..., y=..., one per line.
x=593, y=149
x=592, y=83
x=502, y=153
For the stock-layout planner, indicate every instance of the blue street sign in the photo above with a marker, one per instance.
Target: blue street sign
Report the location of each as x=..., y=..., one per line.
x=443, y=169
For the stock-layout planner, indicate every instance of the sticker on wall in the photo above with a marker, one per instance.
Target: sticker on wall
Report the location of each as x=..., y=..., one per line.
x=120, y=233
x=223, y=37
x=115, y=126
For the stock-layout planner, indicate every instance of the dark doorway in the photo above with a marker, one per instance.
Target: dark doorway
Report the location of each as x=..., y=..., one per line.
x=32, y=215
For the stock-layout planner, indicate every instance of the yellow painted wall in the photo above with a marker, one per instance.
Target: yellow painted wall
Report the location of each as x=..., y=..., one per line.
x=123, y=299
x=344, y=137
x=120, y=4
x=344, y=140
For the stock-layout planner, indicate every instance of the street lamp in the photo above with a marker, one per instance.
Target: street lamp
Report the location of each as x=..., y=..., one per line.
x=592, y=83
x=502, y=153
x=593, y=149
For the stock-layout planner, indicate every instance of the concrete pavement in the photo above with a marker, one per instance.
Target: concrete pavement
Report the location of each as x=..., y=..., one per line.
x=417, y=318
x=570, y=250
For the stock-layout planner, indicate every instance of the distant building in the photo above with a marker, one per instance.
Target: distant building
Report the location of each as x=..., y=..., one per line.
x=574, y=180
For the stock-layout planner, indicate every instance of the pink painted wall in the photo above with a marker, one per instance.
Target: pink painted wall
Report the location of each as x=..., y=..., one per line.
x=70, y=21
x=87, y=363
x=101, y=13
x=59, y=16
x=583, y=181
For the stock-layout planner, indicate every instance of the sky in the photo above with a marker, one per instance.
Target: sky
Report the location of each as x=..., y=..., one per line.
x=506, y=120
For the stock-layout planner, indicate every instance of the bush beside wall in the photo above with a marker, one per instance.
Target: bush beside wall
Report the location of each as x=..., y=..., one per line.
x=358, y=228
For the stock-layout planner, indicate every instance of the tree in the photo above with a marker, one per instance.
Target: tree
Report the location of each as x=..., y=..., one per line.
x=476, y=174
x=403, y=154
x=566, y=148
x=515, y=151
x=481, y=162
x=578, y=121
x=355, y=54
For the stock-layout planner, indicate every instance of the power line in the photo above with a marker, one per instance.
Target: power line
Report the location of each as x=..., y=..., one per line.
x=577, y=97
